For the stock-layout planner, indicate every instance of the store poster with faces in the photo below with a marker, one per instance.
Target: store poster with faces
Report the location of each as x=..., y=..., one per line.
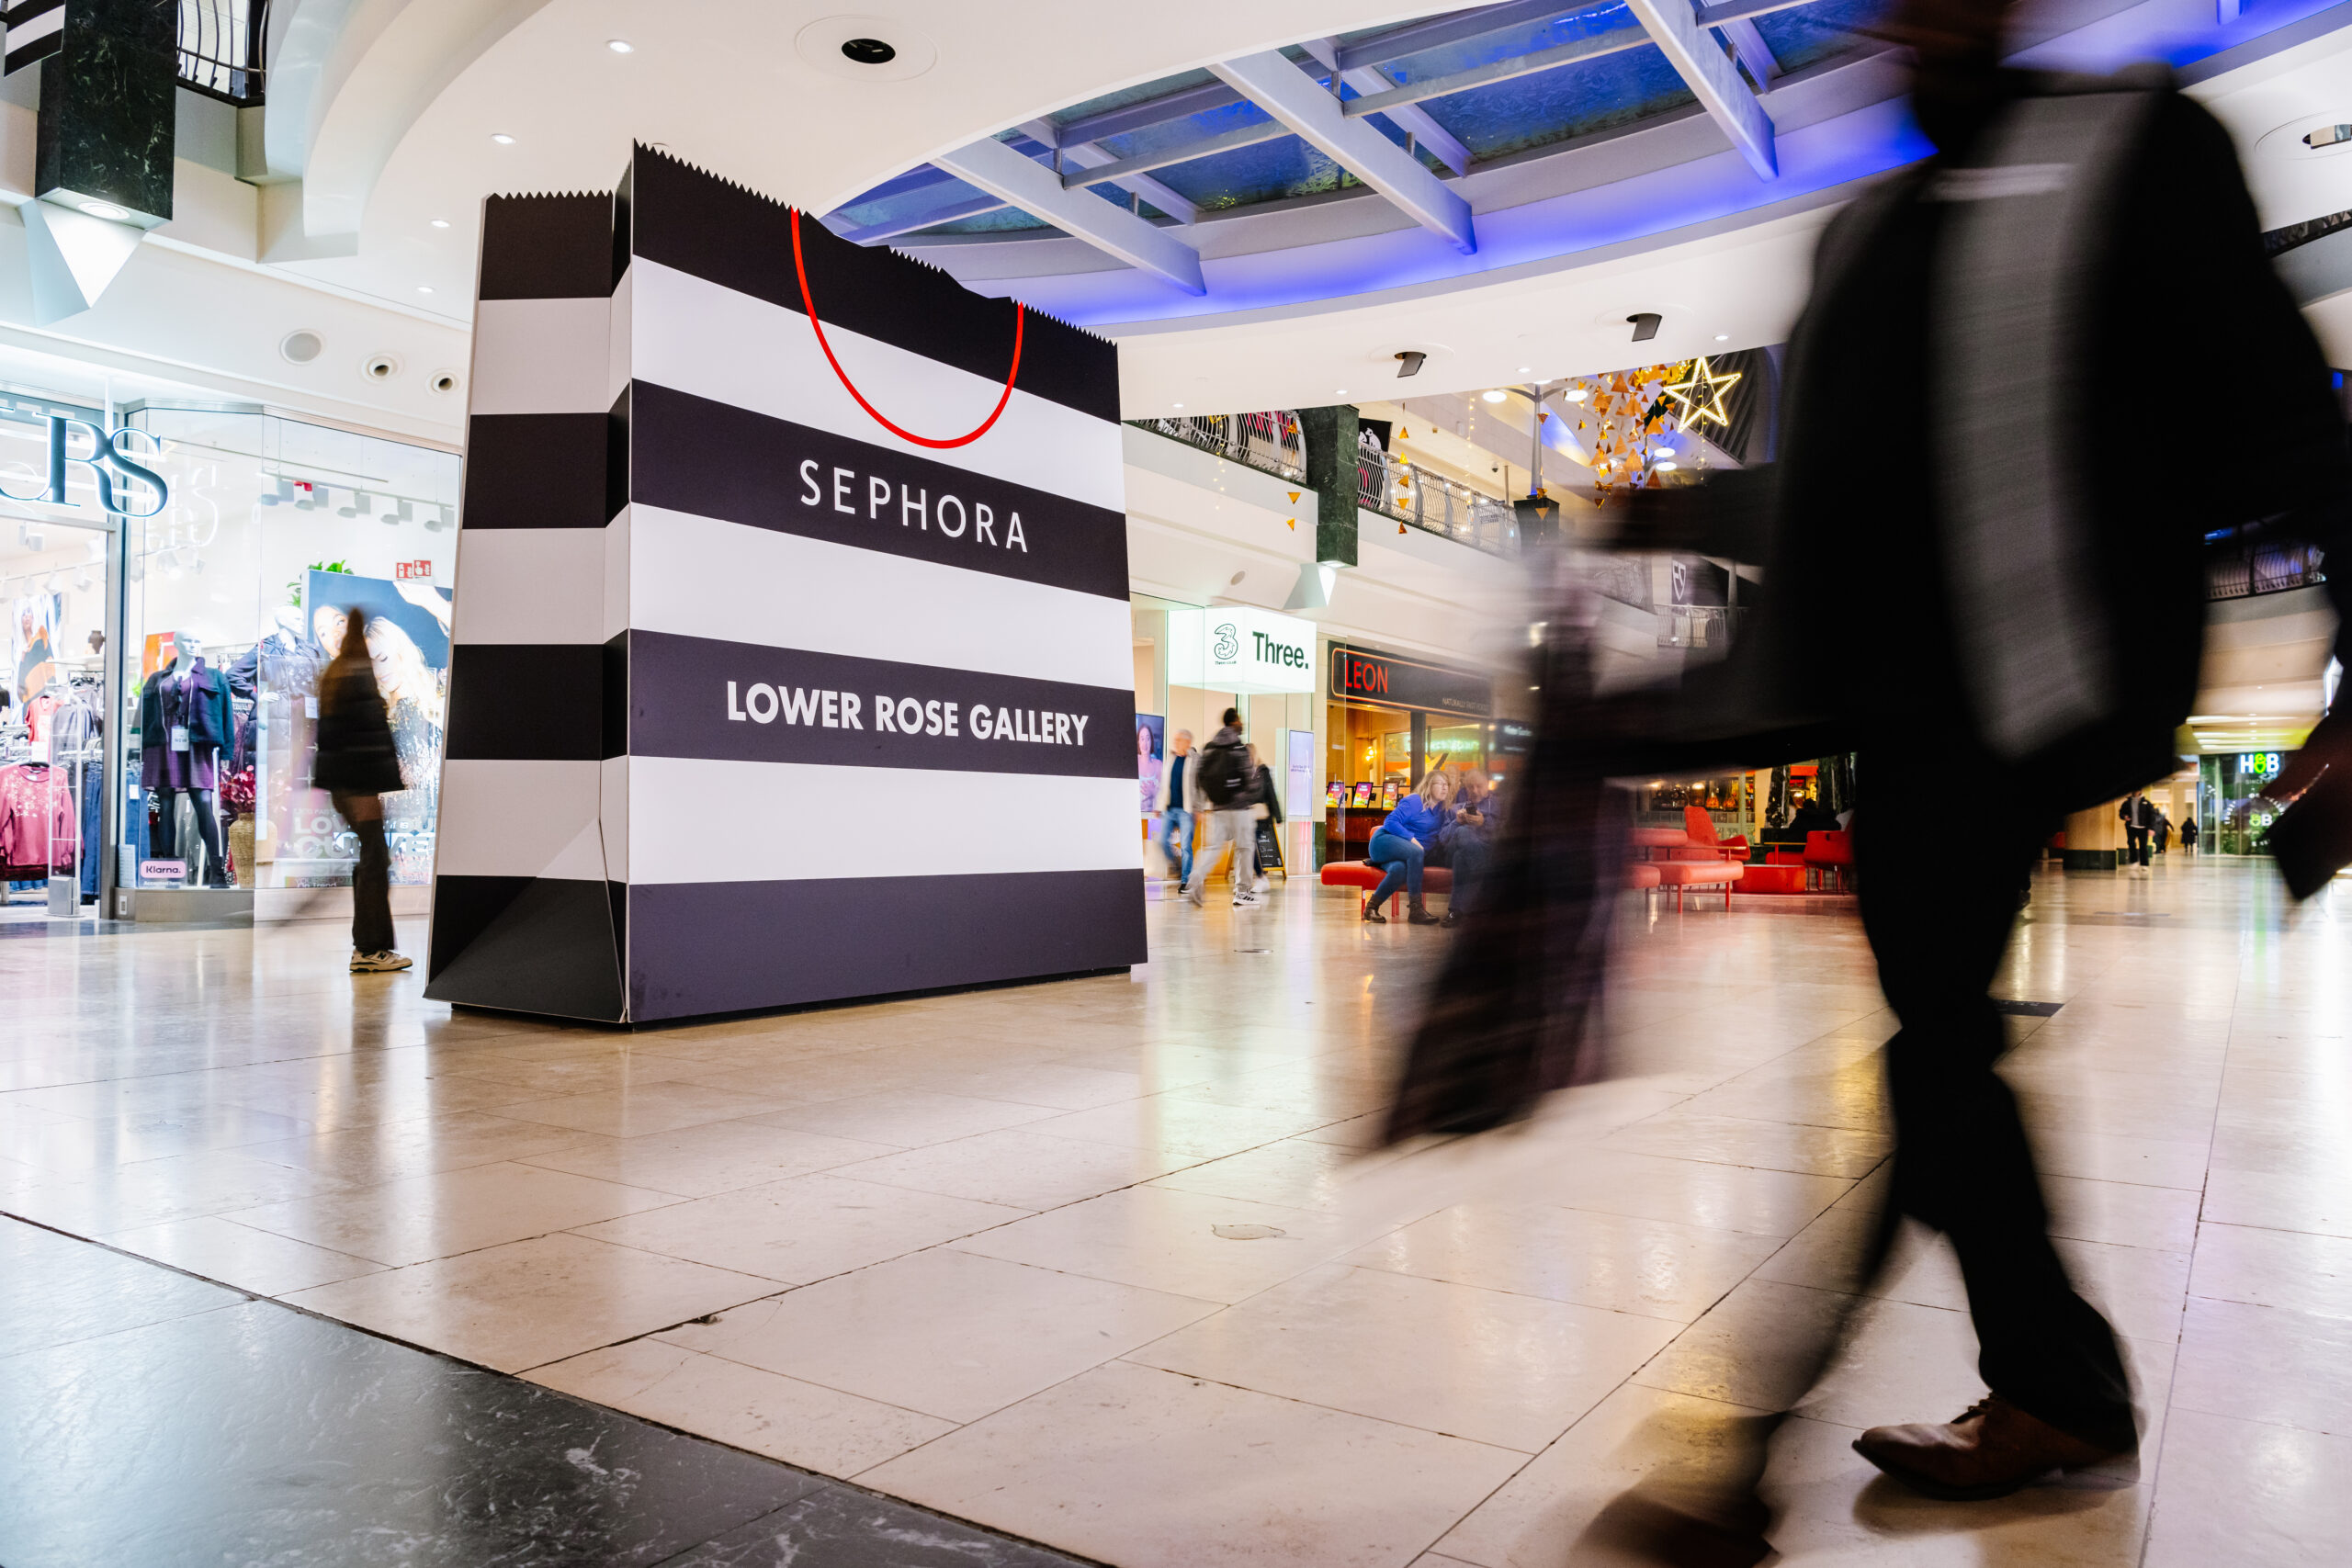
x=408, y=643
x=34, y=624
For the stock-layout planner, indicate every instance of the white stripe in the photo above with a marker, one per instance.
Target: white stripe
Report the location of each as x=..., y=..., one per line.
x=23, y=34
x=697, y=577
x=615, y=596
x=698, y=820
x=697, y=337
x=535, y=585
x=541, y=356
x=512, y=818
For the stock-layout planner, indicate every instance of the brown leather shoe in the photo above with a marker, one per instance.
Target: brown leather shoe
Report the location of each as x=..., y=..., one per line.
x=1990, y=1449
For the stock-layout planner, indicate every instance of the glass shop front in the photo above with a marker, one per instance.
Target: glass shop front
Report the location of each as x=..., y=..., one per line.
x=1391, y=718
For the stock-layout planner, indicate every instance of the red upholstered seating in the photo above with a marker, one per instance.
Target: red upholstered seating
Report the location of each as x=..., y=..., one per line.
x=1830, y=851
x=1363, y=874
x=1682, y=875
x=1661, y=839
x=1641, y=874
x=1778, y=877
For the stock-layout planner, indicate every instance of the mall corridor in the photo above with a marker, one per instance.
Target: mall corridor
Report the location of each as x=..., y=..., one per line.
x=1094, y=1266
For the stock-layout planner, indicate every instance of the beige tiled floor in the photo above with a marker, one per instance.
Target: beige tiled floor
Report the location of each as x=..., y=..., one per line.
x=1104, y=1263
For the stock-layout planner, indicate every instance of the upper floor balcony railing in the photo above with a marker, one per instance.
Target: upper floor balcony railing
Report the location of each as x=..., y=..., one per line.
x=220, y=48
x=1270, y=441
x=2239, y=567
x=1429, y=501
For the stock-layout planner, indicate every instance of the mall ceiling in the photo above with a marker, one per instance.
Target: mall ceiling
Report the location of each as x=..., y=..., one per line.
x=1493, y=188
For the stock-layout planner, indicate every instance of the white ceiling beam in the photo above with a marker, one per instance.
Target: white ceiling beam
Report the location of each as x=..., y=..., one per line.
x=1093, y=155
x=1300, y=103
x=1370, y=79
x=874, y=234
x=1035, y=189
x=1674, y=28
x=1614, y=41
x=1747, y=42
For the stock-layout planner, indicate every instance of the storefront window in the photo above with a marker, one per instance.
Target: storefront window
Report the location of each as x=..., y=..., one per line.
x=1390, y=721
x=2232, y=818
x=236, y=598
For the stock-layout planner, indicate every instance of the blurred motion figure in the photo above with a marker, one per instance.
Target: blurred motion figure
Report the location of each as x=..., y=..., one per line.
x=2069, y=236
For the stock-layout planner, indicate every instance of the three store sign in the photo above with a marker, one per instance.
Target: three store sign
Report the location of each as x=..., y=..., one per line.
x=107, y=461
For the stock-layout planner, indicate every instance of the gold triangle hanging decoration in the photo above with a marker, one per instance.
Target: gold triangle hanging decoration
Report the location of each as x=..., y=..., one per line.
x=1293, y=498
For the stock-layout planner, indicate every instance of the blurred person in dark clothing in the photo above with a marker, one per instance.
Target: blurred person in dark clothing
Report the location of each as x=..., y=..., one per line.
x=2139, y=822
x=1978, y=302
x=357, y=765
x=1811, y=817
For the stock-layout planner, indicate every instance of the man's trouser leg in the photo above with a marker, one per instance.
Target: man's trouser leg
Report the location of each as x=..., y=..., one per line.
x=1962, y=1163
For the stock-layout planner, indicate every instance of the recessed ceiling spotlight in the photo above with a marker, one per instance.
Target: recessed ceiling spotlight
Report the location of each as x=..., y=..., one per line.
x=1527, y=369
x=424, y=288
x=1180, y=405
x=1576, y=394
x=1722, y=337
x=502, y=138
x=1663, y=467
x=1662, y=452
x=868, y=52
x=1341, y=393
x=1494, y=396
x=440, y=223
x=105, y=209
x=620, y=46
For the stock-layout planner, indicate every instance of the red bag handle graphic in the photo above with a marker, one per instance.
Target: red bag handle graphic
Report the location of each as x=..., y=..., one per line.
x=1019, y=313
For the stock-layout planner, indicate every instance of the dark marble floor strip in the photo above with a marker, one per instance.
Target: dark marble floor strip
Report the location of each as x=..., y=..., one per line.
x=149, y=1418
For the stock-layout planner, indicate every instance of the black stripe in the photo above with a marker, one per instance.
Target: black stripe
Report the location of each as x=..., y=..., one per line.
x=547, y=247
x=737, y=946
x=527, y=701
x=526, y=944
x=690, y=454
x=678, y=707
x=700, y=224
x=543, y=470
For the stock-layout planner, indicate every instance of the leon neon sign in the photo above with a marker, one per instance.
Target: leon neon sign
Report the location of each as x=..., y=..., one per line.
x=107, y=461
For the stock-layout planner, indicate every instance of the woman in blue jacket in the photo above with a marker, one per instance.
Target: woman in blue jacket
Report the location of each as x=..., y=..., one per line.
x=1402, y=842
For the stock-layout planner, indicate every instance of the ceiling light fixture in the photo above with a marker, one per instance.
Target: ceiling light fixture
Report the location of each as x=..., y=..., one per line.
x=502, y=138
x=1662, y=451
x=1180, y=405
x=1341, y=393
x=105, y=209
x=1722, y=337
x=868, y=52
x=424, y=288
x=1527, y=370
x=1576, y=394
x=440, y=223
x=1663, y=467
x=620, y=46
x=1493, y=396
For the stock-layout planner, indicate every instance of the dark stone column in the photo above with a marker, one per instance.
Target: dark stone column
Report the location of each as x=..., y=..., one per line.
x=1331, y=435
x=106, y=108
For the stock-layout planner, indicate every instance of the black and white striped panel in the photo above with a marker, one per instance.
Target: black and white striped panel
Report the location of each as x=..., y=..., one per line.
x=528, y=887
x=34, y=29
x=881, y=701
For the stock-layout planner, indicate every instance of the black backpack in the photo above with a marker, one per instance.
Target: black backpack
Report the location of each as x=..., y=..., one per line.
x=1225, y=773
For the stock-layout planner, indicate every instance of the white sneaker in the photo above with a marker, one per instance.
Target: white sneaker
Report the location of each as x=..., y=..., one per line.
x=1261, y=886
x=1246, y=900
x=378, y=962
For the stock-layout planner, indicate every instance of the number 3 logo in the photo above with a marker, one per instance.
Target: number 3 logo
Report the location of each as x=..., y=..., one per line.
x=1227, y=644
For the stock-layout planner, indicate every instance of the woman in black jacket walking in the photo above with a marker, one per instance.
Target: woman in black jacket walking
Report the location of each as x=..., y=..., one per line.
x=356, y=765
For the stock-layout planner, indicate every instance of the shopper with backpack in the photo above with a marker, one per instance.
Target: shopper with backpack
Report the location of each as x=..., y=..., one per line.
x=1227, y=788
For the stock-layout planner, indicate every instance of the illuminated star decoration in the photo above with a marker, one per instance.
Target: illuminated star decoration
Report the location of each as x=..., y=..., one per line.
x=1702, y=395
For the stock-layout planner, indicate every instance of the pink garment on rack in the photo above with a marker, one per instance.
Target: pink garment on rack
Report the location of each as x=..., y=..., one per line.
x=36, y=714
x=40, y=829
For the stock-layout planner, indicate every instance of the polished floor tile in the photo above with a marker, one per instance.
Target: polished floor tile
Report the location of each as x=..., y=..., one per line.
x=1513, y=1371
x=1068, y=1258
x=806, y=1227
x=817, y=1428
x=450, y=1212
x=946, y=1332
x=529, y=1303
x=1139, y=1467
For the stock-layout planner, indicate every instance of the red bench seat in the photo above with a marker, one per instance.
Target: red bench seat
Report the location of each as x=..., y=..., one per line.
x=1682, y=875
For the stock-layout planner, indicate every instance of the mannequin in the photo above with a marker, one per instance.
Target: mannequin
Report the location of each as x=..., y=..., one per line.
x=183, y=723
